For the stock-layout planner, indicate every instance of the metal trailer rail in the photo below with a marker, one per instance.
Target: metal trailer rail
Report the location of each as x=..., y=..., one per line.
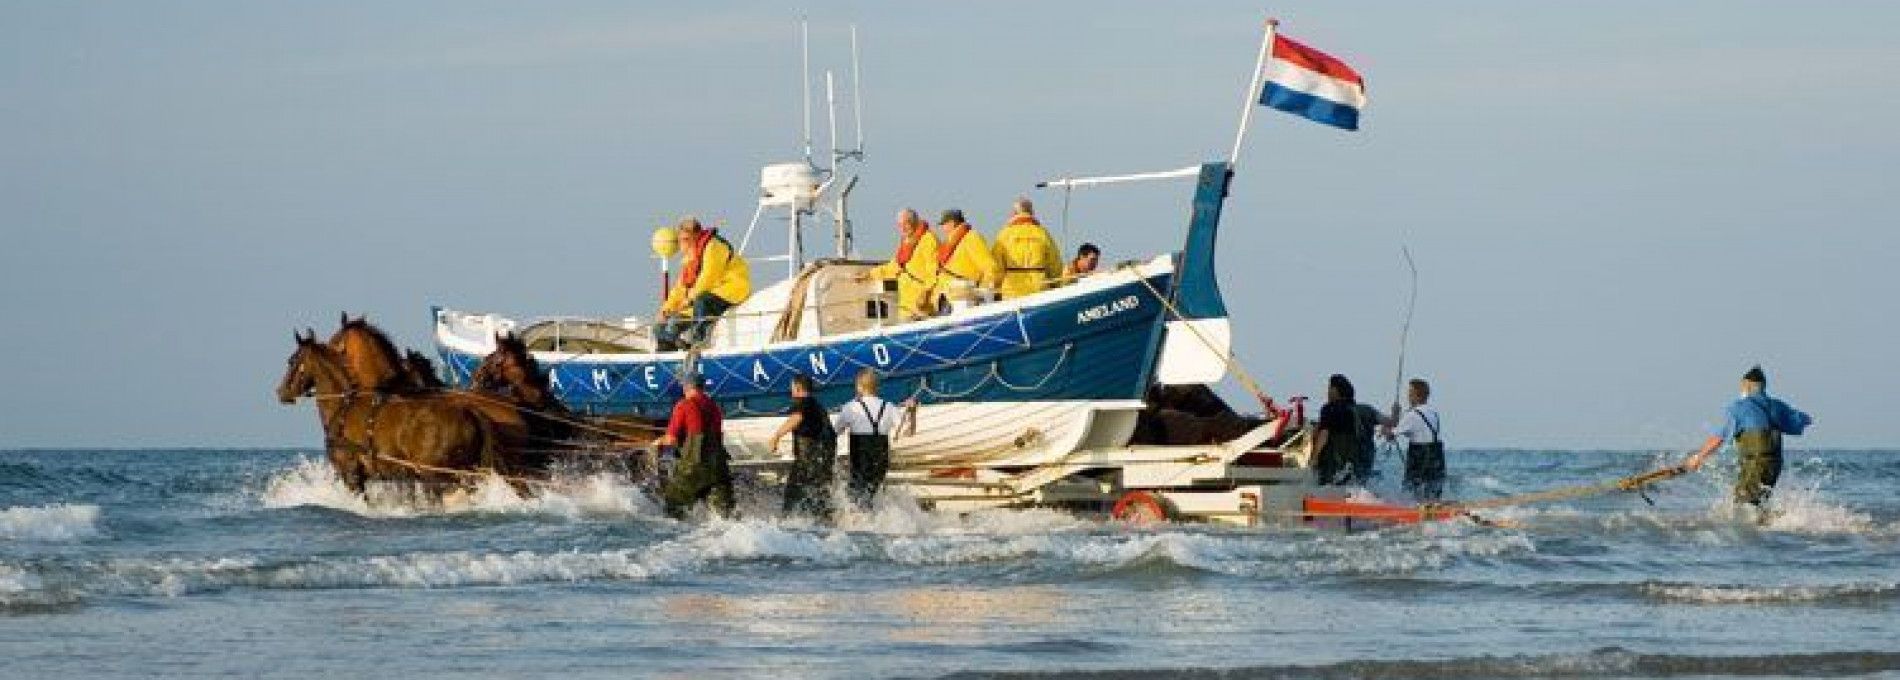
x=1241, y=481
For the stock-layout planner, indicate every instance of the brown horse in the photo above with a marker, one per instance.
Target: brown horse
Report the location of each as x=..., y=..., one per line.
x=511, y=372
x=371, y=359
x=419, y=438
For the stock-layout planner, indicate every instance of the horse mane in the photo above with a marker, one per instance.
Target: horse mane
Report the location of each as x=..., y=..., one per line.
x=423, y=369
x=519, y=348
x=376, y=335
x=535, y=377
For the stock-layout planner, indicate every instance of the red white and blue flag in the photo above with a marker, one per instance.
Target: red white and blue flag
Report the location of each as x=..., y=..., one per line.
x=1307, y=82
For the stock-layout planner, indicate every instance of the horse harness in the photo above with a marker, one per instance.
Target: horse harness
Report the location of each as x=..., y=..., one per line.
x=333, y=426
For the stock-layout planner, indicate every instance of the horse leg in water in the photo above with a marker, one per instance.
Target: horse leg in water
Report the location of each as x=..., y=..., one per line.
x=348, y=469
x=492, y=454
x=497, y=451
x=443, y=442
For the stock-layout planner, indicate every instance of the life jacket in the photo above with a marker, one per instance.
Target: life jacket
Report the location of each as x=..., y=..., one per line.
x=689, y=274
x=908, y=246
x=948, y=250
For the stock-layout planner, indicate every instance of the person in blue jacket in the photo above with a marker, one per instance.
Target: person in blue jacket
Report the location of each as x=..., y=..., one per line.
x=1756, y=422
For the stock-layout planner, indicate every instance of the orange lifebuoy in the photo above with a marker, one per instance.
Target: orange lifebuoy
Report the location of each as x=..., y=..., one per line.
x=1141, y=507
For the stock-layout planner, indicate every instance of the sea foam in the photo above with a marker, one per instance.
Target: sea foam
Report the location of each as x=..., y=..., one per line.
x=49, y=523
x=1764, y=594
x=313, y=482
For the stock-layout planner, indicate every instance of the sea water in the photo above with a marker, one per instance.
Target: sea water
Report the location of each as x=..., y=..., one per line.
x=259, y=564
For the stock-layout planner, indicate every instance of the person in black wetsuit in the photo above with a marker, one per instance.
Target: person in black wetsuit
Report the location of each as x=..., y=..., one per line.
x=814, y=450
x=1336, y=442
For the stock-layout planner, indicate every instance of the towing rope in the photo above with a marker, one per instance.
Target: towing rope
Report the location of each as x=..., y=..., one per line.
x=569, y=446
x=423, y=467
x=1636, y=483
x=1229, y=357
x=551, y=415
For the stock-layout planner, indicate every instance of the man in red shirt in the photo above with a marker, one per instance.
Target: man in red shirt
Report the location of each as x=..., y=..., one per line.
x=703, y=469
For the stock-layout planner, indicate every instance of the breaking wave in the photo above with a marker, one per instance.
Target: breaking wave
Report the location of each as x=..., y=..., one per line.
x=1803, y=507
x=1233, y=554
x=1742, y=594
x=1799, y=507
x=1606, y=662
x=895, y=533
x=49, y=523
x=701, y=549
x=312, y=482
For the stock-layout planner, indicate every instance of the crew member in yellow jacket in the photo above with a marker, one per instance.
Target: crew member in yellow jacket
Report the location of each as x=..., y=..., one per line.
x=713, y=279
x=962, y=258
x=914, y=267
x=1030, y=260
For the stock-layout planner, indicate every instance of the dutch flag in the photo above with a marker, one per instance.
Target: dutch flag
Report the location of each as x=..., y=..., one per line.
x=1307, y=82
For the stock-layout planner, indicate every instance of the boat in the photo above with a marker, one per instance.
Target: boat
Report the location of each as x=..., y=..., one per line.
x=1031, y=378
x=1025, y=381
x=1030, y=401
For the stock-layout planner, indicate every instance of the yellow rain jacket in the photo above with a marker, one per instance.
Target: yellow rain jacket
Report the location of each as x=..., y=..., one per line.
x=1029, y=258
x=709, y=266
x=966, y=257
x=915, y=269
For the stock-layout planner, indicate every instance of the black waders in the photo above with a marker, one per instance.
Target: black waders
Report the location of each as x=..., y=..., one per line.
x=702, y=472
x=808, y=484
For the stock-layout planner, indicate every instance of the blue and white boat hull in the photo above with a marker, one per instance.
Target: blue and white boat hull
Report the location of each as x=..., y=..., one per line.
x=1015, y=380
x=1021, y=382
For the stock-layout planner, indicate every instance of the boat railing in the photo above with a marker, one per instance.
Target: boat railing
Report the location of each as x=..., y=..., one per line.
x=577, y=336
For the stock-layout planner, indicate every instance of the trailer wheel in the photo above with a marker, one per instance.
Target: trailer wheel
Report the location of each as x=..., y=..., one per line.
x=1142, y=507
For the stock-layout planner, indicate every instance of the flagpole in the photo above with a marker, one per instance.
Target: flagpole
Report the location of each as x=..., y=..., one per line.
x=1252, y=98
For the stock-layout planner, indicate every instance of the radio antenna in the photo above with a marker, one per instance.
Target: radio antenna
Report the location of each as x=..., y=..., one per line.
x=857, y=94
x=831, y=115
x=804, y=77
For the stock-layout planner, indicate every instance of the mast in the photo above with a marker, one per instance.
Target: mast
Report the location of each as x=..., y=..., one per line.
x=804, y=190
x=1248, y=101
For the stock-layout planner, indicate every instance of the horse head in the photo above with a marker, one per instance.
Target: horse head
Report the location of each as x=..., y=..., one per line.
x=512, y=369
x=299, y=377
x=501, y=370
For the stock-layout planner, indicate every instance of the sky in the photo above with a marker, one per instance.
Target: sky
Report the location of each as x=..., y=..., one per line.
x=1615, y=207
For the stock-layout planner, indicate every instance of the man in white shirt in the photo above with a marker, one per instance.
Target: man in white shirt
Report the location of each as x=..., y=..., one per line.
x=1424, y=445
x=870, y=421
